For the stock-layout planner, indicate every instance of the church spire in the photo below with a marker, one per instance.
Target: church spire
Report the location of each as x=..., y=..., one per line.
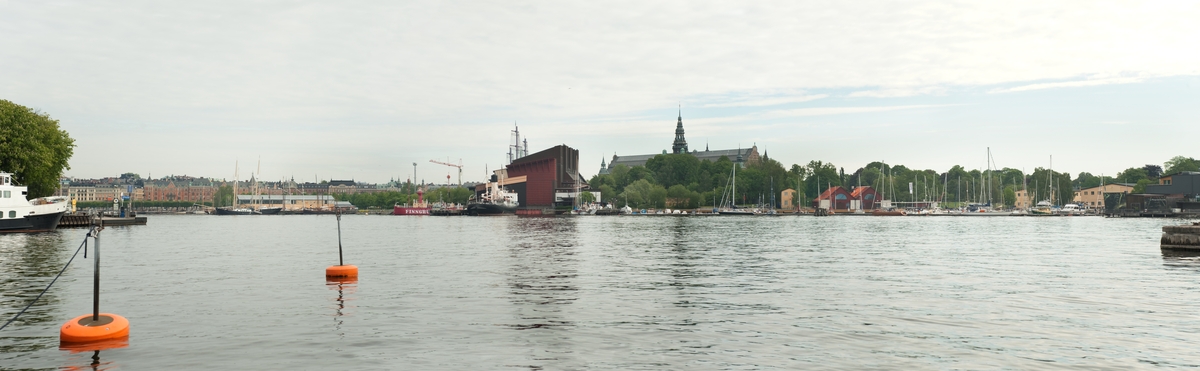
x=680, y=144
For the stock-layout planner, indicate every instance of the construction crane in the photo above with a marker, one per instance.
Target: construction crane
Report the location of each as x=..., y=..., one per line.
x=459, y=166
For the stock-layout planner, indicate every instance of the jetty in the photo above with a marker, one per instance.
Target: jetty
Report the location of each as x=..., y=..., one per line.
x=1181, y=237
x=87, y=220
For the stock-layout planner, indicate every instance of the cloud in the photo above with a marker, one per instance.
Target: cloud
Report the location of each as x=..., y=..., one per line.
x=763, y=101
x=825, y=111
x=430, y=71
x=1069, y=84
x=897, y=92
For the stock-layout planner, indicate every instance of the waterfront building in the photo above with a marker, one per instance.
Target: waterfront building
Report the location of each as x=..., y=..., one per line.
x=1023, y=202
x=740, y=156
x=101, y=193
x=1093, y=198
x=342, y=186
x=865, y=195
x=1182, y=183
x=787, y=199
x=545, y=179
x=178, y=189
x=834, y=198
x=291, y=202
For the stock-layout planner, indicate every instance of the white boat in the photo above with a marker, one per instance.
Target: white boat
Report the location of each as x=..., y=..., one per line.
x=1071, y=210
x=18, y=214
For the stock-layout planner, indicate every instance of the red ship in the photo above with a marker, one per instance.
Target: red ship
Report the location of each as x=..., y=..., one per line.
x=413, y=208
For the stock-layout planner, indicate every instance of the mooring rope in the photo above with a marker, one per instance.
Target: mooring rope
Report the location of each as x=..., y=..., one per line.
x=82, y=246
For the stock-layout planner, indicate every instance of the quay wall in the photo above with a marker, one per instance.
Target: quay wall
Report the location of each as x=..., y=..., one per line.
x=1181, y=237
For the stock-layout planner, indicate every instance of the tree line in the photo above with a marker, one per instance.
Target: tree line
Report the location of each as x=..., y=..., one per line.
x=683, y=181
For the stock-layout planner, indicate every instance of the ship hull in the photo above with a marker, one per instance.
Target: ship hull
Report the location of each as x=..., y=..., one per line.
x=404, y=210
x=225, y=211
x=489, y=209
x=31, y=223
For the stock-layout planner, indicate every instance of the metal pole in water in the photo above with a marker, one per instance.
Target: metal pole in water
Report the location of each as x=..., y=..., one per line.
x=339, y=223
x=96, y=279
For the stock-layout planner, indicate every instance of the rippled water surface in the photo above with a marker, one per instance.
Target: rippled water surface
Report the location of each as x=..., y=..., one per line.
x=615, y=293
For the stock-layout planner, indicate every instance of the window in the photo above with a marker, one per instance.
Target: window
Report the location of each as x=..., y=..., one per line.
x=12, y=213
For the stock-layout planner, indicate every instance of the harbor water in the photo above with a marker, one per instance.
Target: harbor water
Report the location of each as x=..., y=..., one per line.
x=614, y=293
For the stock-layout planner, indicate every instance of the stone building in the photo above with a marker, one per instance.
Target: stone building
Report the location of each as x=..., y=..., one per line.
x=740, y=156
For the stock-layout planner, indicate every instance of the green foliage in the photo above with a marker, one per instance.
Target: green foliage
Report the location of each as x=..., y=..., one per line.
x=1140, y=187
x=33, y=148
x=683, y=198
x=1086, y=180
x=1179, y=163
x=223, y=196
x=705, y=181
x=1132, y=175
x=1041, y=182
x=643, y=194
x=1010, y=195
x=587, y=197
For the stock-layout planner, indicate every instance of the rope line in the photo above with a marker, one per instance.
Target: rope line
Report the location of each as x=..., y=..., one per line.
x=82, y=246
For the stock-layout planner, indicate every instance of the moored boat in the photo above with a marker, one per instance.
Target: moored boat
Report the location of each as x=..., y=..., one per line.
x=419, y=207
x=892, y=212
x=18, y=214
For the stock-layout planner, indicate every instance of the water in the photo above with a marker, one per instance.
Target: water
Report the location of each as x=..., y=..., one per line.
x=619, y=293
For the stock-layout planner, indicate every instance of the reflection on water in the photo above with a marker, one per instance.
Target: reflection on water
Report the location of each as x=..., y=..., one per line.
x=344, y=288
x=541, y=287
x=622, y=293
x=93, y=363
x=28, y=262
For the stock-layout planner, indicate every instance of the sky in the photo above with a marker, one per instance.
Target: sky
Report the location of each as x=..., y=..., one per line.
x=332, y=90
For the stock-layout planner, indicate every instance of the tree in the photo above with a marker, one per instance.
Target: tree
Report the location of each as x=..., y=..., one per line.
x=1153, y=171
x=1086, y=180
x=1132, y=175
x=1140, y=187
x=223, y=196
x=1010, y=195
x=1179, y=163
x=587, y=197
x=33, y=148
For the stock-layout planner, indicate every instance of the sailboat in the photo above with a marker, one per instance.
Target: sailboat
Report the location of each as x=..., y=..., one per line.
x=1046, y=207
x=885, y=207
x=729, y=205
x=234, y=209
x=985, y=194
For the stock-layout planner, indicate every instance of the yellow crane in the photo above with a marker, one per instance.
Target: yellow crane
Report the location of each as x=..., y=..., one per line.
x=459, y=166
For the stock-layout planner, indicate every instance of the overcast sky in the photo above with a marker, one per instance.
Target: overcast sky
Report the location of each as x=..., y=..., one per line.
x=331, y=90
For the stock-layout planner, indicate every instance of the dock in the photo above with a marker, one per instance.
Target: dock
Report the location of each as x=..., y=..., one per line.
x=85, y=220
x=1181, y=237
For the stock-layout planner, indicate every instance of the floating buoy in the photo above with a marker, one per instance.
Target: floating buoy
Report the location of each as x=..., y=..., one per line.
x=87, y=329
x=342, y=270
x=96, y=330
x=338, y=271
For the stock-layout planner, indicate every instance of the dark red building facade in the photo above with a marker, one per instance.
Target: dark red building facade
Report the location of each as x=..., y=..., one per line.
x=548, y=173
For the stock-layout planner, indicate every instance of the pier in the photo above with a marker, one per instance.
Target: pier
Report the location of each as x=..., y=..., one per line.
x=1181, y=237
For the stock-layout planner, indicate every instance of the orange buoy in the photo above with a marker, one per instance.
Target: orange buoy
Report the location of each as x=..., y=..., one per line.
x=341, y=271
x=84, y=329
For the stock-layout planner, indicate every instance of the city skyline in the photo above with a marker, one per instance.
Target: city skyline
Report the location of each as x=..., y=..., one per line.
x=362, y=93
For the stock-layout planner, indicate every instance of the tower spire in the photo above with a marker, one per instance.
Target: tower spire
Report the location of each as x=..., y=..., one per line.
x=680, y=144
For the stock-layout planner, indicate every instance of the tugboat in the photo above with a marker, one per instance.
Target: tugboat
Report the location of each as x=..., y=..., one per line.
x=414, y=208
x=18, y=214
